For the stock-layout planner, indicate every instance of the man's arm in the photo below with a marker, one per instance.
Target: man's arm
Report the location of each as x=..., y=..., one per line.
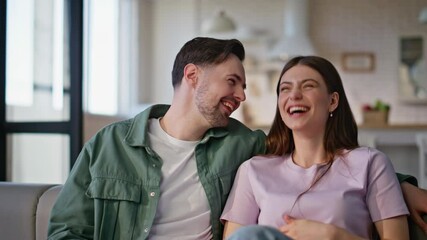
x=73, y=213
x=416, y=200
x=407, y=178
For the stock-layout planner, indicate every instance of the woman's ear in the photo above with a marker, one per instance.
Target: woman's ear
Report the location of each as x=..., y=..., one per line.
x=191, y=72
x=335, y=97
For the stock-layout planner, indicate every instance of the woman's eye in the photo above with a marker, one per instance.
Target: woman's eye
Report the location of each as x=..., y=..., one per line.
x=284, y=89
x=232, y=81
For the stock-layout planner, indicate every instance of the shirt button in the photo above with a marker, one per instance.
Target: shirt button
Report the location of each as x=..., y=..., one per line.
x=152, y=194
x=146, y=230
x=154, y=165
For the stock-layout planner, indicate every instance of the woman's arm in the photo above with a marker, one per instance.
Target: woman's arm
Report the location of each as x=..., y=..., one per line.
x=230, y=228
x=393, y=228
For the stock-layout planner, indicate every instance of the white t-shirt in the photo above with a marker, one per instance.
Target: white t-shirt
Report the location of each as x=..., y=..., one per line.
x=183, y=211
x=360, y=188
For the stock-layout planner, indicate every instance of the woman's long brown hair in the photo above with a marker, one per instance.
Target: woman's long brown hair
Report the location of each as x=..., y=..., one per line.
x=341, y=128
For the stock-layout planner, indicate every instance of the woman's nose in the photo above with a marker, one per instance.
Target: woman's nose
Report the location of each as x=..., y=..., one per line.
x=295, y=94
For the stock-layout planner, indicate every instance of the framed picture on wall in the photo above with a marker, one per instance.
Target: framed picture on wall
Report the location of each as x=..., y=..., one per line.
x=358, y=61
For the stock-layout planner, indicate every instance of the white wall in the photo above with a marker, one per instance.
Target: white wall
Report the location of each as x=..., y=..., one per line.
x=172, y=24
x=336, y=26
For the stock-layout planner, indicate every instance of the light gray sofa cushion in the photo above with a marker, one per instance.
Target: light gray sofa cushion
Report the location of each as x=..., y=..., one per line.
x=19, y=205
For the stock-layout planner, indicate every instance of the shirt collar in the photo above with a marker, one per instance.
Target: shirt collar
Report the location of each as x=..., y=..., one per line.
x=137, y=133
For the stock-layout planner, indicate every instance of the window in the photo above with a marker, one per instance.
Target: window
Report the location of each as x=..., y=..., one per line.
x=41, y=133
x=37, y=81
x=20, y=65
x=110, y=33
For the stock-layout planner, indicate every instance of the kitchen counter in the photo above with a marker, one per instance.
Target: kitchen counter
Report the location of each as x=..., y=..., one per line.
x=394, y=126
x=393, y=134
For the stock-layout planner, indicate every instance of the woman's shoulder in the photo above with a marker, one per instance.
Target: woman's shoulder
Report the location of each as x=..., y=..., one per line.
x=365, y=150
x=267, y=158
x=265, y=161
x=367, y=154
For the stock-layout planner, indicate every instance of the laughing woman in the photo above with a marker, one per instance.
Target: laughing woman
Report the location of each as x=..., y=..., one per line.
x=316, y=181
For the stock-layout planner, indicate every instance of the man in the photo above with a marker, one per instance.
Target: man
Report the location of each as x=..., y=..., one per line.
x=166, y=173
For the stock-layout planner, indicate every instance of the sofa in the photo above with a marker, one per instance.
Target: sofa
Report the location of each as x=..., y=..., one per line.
x=25, y=210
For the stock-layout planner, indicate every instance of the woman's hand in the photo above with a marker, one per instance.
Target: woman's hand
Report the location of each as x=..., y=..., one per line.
x=416, y=200
x=302, y=229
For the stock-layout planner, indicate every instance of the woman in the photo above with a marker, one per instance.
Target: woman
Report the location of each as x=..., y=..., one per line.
x=334, y=188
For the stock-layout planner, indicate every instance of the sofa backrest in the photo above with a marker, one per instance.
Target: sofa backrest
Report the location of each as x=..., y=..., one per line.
x=25, y=210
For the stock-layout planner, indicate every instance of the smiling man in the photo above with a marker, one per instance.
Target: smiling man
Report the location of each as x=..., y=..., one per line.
x=166, y=173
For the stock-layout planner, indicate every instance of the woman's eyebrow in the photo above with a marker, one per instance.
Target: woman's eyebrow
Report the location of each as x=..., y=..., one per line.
x=302, y=81
x=286, y=82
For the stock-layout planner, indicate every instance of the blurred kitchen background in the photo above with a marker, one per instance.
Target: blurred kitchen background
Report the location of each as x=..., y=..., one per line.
x=122, y=51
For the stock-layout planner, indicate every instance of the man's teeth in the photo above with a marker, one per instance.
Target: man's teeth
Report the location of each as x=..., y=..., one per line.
x=230, y=106
x=297, y=109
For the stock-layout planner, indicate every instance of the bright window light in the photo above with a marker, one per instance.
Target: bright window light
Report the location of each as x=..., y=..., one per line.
x=101, y=56
x=58, y=56
x=20, y=53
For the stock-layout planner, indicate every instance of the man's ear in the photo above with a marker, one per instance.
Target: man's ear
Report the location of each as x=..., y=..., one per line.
x=191, y=73
x=335, y=97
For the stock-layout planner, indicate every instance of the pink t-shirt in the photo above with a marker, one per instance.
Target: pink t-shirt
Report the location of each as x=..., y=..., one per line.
x=360, y=188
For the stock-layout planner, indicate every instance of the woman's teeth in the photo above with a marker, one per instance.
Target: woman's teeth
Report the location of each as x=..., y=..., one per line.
x=293, y=110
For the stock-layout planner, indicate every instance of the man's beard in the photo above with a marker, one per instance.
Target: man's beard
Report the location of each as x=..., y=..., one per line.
x=211, y=113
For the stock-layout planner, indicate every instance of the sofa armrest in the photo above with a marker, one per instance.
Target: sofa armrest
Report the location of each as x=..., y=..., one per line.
x=44, y=208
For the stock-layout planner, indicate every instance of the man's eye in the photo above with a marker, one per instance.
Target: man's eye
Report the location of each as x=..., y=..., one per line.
x=232, y=81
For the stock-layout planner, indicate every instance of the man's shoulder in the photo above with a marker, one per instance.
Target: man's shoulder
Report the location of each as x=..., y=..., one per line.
x=108, y=137
x=240, y=136
x=133, y=127
x=237, y=127
x=116, y=128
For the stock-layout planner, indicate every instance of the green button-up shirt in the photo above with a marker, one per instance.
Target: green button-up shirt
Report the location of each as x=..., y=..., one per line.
x=113, y=189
